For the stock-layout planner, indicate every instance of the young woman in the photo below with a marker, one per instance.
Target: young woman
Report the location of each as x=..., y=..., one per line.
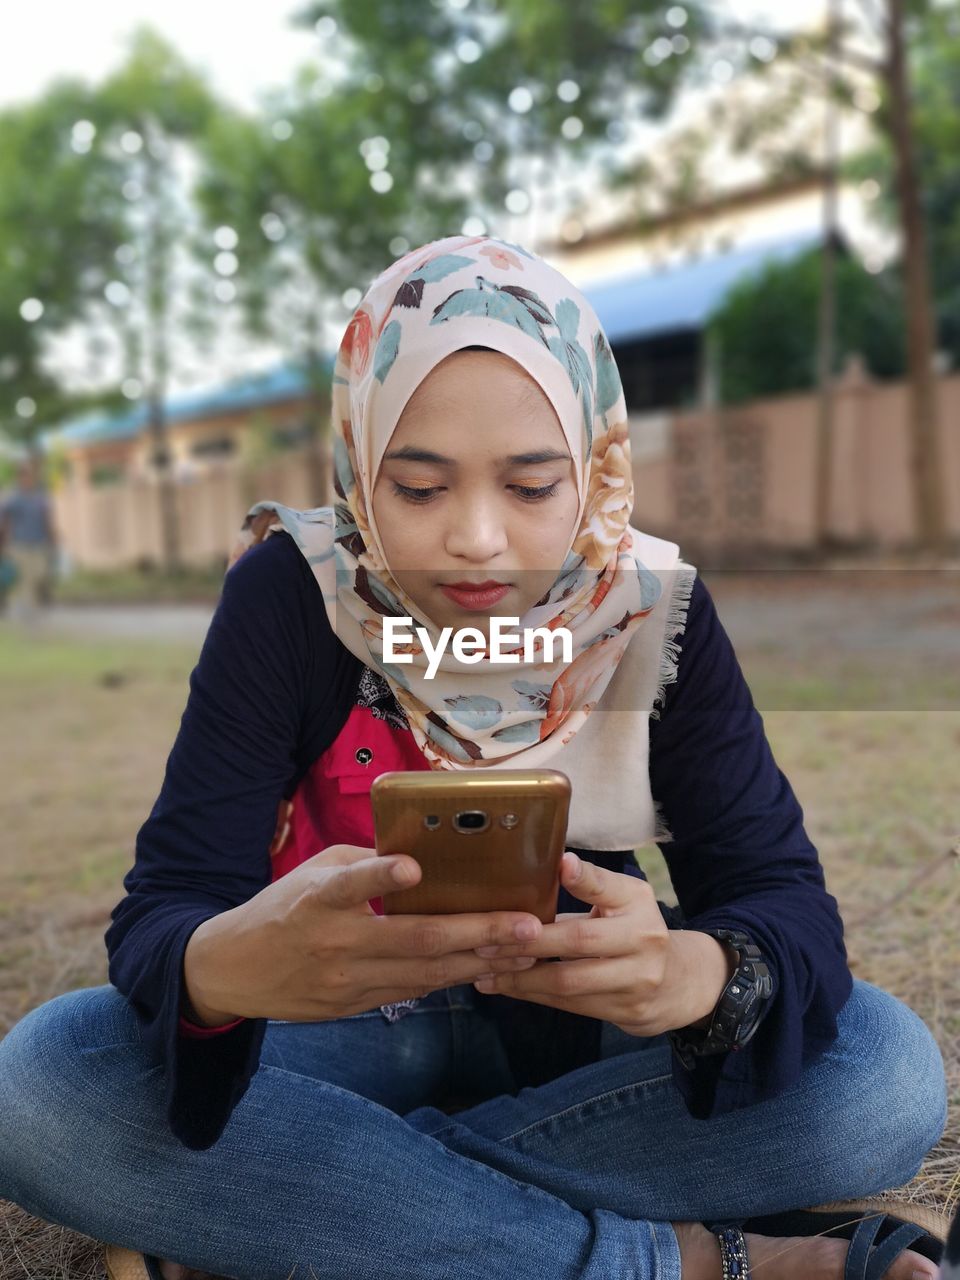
x=281, y=1081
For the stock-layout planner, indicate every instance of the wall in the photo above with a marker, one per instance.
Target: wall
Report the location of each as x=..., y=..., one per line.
x=725, y=484
x=738, y=480
x=118, y=525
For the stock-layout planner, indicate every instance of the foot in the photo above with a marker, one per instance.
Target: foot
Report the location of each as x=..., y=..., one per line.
x=785, y=1257
x=175, y=1271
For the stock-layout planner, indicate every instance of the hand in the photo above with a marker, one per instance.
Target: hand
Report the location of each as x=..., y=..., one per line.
x=618, y=962
x=309, y=946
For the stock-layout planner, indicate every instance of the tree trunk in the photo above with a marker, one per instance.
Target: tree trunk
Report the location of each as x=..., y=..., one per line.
x=158, y=249
x=827, y=312
x=166, y=487
x=926, y=468
x=318, y=417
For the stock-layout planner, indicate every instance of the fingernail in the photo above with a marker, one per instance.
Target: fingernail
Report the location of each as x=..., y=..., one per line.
x=526, y=931
x=575, y=867
x=487, y=952
x=484, y=982
x=402, y=872
x=525, y=962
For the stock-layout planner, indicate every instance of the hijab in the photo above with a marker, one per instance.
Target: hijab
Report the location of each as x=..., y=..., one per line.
x=442, y=297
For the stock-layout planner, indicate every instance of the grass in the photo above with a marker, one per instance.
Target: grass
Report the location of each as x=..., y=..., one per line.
x=139, y=586
x=87, y=728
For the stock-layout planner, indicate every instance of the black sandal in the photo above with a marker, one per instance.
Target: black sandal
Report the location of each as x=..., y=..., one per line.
x=877, y=1236
x=950, y=1263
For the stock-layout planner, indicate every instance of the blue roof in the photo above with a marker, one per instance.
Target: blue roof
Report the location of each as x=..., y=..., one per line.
x=637, y=304
x=282, y=383
x=641, y=304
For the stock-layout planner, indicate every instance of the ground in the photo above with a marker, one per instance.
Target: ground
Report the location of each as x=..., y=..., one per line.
x=857, y=676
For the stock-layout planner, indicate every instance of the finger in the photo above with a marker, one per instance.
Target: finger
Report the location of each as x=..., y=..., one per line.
x=567, y=980
x=437, y=935
x=577, y=935
x=338, y=855
x=614, y=891
x=419, y=977
x=354, y=884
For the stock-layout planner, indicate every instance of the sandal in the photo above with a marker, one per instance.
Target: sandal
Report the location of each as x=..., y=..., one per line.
x=127, y=1264
x=951, y=1255
x=879, y=1232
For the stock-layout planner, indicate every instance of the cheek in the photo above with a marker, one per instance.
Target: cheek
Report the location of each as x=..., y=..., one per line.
x=548, y=536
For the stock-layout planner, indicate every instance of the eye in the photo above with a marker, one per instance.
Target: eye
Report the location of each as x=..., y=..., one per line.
x=532, y=494
x=415, y=494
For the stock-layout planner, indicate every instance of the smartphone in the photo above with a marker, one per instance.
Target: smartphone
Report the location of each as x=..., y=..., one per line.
x=485, y=840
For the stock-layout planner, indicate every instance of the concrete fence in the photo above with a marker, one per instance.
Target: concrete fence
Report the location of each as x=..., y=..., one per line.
x=742, y=480
x=117, y=525
x=725, y=484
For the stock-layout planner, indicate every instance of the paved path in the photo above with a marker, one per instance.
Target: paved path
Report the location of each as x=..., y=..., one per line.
x=186, y=623
x=795, y=612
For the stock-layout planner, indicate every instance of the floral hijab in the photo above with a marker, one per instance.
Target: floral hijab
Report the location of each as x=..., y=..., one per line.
x=454, y=293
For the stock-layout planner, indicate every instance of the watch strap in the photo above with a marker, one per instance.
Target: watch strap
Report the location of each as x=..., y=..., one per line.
x=739, y=1009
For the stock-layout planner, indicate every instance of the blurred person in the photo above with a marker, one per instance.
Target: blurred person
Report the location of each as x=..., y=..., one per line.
x=279, y=1076
x=28, y=538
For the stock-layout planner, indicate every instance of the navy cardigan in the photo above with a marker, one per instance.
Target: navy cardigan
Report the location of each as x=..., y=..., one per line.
x=272, y=688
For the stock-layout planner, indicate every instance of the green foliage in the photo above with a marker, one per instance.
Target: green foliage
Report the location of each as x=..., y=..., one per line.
x=766, y=329
x=64, y=214
x=434, y=82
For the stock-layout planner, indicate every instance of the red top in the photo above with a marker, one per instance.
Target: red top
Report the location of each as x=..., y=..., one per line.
x=332, y=804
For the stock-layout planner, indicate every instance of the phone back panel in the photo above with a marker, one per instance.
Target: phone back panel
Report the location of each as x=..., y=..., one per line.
x=511, y=864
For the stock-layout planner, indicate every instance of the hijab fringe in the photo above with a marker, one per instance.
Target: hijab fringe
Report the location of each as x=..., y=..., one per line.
x=676, y=624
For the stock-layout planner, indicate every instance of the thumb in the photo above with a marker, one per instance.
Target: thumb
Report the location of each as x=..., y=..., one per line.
x=350, y=876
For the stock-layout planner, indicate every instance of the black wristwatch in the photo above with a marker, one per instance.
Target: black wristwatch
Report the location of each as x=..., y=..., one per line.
x=741, y=1006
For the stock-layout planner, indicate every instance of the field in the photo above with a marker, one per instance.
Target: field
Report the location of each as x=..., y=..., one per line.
x=858, y=681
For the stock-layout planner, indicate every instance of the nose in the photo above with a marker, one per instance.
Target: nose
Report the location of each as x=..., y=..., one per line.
x=477, y=531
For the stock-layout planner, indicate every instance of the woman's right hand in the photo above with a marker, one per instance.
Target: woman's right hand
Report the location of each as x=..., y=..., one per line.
x=309, y=946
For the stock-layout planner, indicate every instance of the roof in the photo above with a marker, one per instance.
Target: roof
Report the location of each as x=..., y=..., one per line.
x=634, y=305
x=282, y=383
x=640, y=304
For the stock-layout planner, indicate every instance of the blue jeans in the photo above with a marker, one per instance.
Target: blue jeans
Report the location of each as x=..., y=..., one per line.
x=339, y=1159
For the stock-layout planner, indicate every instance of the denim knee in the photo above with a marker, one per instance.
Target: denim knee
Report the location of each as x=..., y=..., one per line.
x=893, y=1074
x=42, y=1073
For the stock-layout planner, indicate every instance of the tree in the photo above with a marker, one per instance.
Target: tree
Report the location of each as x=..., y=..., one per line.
x=868, y=56
x=766, y=327
x=152, y=110
x=58, y=231
x=95, y=216
x=419, y=122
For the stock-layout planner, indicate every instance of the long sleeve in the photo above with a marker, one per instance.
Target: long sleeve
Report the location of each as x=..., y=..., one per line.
x=739, y=857
x=267, y=680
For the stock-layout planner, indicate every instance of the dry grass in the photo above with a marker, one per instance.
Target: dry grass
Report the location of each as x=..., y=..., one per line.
x=879, y=795
x=87, y=731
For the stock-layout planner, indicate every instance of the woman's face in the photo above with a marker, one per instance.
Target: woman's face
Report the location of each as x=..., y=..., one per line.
x=476, y=485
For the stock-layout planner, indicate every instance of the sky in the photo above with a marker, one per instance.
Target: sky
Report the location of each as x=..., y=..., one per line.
x=246, y=48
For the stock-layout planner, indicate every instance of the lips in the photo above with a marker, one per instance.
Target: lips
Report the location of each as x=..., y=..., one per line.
x=475, y=595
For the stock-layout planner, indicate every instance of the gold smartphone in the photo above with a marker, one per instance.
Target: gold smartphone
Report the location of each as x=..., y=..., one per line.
x=485, y=840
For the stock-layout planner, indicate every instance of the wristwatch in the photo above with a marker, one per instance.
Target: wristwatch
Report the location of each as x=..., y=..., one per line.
x=738, y=1012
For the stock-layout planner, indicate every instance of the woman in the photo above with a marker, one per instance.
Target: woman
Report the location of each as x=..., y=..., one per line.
x=278, y=1077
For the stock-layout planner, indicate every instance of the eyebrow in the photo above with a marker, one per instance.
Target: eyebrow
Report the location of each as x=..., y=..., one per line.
x=409, y=453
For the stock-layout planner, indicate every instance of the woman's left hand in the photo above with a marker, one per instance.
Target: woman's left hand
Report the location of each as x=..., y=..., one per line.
x=618, y=962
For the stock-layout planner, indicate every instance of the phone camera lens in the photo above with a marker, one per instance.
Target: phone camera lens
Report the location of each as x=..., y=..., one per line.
x=471, y=820
x=509, y=820
x=431, y=821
